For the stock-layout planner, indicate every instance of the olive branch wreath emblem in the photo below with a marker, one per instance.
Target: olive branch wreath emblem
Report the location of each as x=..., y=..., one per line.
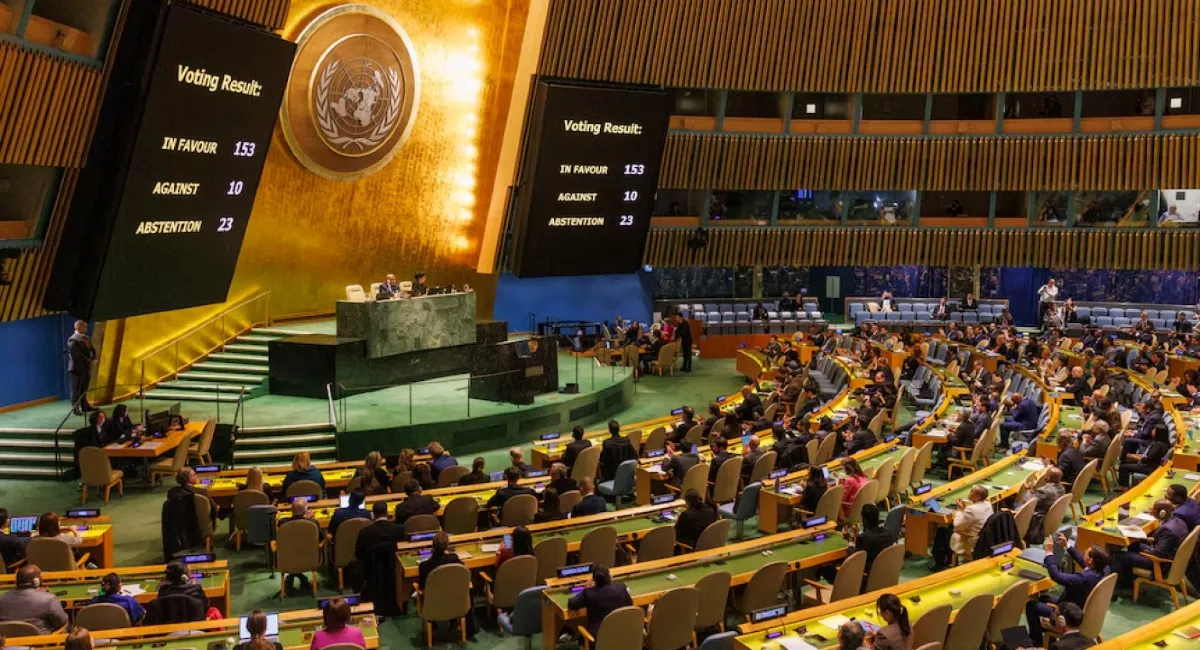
x=329, y=127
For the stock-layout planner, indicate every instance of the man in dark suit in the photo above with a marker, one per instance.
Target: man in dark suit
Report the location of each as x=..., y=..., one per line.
x=1095, y=442
x=414, y=503
x=810, y=404
x=720, y=449
x=590, y=503
x=692, y=522
x=79, y=366
x=1070, y=459
x=751, y=405
x=859, y=440
x=513, y=476
x=12, y=547
x=1023, y=416
x=683, y=334
x=382, y=531
x=600, y=598
x=1077, y=386
x=678, y=464
x=561, y=480
x=714, y=414
x=615, y=450
x=354, y=511
x=681, y=429
x=1149, y=419
x=419, y=287
x=873, y=538
x=1077, y=586
x=750, y=456
x=1070, y=617
x=963, y=436
x=518, y=461
x=575, y=446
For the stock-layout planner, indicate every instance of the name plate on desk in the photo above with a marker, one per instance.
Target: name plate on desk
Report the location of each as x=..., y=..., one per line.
x=392, y=327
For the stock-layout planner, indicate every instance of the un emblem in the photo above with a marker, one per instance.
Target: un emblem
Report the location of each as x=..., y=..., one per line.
x=353, y=93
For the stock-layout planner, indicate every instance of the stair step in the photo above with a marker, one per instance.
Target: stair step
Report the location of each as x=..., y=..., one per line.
x=236, y=357
x=38, y=443
x=24, y=431
x=318, y=427
x=232, y=367
x=257, y=338
x=26, y=470
x=278, y=332
x=248, y=380
x=33, y=457
x=299, y=439
x=179, y=395
x=204, y=386
x=280, y=453
x=252, y=348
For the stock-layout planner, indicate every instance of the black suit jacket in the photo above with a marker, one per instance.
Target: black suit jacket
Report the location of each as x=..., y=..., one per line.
x=874, y=541
x=681, y=431
x=863, y=439
x=505, y=493
x=678, y=465
x=592, y=504
x=717, y=461
x=1072, y=641
x=381, y=532
x=1078, y=388
x=417, y=504
x=748, y=461
x=572, y=451
x=427, y=567
x=600, y=602
x=615, y=451
x=692, y=522
x=750, y=405
x=1070, y=461
x=564, y=485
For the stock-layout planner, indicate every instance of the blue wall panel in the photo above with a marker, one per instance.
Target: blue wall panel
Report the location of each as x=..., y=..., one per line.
x=593, y=298
x=34, y=361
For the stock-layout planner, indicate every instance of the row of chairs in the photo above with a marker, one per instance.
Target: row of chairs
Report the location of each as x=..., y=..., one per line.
x=96, y=471
x=830, y=376
x=904, y=307
x=922, y=317
x=695, y=309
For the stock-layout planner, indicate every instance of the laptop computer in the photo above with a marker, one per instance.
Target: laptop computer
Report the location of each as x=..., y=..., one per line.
x=272, y=627
x=22, y=525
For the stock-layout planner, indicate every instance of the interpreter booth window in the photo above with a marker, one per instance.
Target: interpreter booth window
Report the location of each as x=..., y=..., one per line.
x=893, y=107
x=743, y=281
x=776, y=280
x=955, y=209
x=741, y=208
x=1029, y=106
x=678, y=203
x=693, y=282
x=1118, y=103
x=880, y=208
x=964, y=107
x=820, y=106
x=695, y=101
x=1011, y=209
x=1050, y=209
x=810, y=208
x=1116, y=209
x=755, y=104
x=1182, y=101
x=1179, y=209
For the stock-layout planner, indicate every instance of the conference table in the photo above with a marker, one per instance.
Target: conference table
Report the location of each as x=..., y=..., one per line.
x=295, y=633
x=776, y=501
x=1103, y=523
x=646, y=581
x=150, y=448
x=1069, y=418
x=1003, y=479
x=97, y=538
x=817, y=626
x=1175, y=631
x=223, y=485
x=478, y=550
x=650, y=479
x=1187, y=427
x=77, y=588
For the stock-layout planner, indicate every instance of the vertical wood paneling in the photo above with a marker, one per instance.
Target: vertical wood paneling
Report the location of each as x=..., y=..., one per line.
x=45, y=102
x=271, y=14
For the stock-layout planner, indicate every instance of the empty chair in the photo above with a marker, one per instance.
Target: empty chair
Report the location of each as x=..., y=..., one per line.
x=355, y=293
x=883, y=478
x=714, y=595
x=461, y=516
x=297, y=550
x=673, y=620
x=514, y=576
x=171, y=466
x=931, y=627
x=204, y=519
x=847, y=582
x=1054, y=515
x=622, y=484
x=551, y=554
x=970, y=623
x=715, y=535
x=1080, y=485
x=242, y=501
x=599, y=547
x=657, y=544
x=96, y=471
x=825, y=450
x=622, y=629
x=696, y=479
x=519, y=510
x=1173, y=580
x=744, y=508
x=725, y=488
x=102, y=616
x=52, y=554
x=13, y=629
x=762, y=467
x=763, y=588
x=447, y=597
x=885, y=570
x=1023, y=517
x=921, y=464
x=586, y=463
x=199, y=450
x=656, y=440
x=904, y=472
x=344, y=541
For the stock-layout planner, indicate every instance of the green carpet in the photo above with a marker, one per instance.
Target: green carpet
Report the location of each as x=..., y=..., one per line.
x=138, y=539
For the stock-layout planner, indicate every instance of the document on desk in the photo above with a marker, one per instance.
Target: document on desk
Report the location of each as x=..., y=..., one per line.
x=1132, y=532
x=795, y=643
x=151, y=445
x=133, y=590
x=489, y=548
x=1032, y=466
x=834, y=622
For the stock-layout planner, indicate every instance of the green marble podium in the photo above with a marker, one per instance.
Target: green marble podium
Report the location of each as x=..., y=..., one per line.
x=391, y=327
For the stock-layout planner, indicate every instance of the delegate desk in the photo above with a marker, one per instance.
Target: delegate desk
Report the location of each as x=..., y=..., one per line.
x=478, y=550
x=817, y=626
x=296, y=630
x=937, y=428
x=648, y=580
x=1069, y=418
x=1103, y=526
x=391, y=327
x=77, y=588
x=775, y=503
x=1187, y=431
x=550, y=448
x=151, y=448
x=97, y=535
x=222, y=486
x=650, y=479
x=1171, y=632
x=754, y=365
x=1003, y=479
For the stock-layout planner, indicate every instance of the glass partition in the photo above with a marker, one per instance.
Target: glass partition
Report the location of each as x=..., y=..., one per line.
x=1117, y=209
x=808, y=207
x=1179, y=209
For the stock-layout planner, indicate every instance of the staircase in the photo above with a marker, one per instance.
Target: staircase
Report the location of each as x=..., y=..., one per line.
x=29, y=453
x=221, y=376
x=275, y=445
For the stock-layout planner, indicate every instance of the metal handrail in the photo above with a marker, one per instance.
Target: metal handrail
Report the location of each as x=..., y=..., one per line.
x=209, y=321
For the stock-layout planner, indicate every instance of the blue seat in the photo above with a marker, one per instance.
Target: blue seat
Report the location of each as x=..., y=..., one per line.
x=1100, y=311
x=1122, y=322
x=1168, y=315
x=906, y=306
x=1083, y=312
x=892, y=316
x=895, y=519
x=956, y=316
x=814, y=314
x=719, y=641
x=1152, y=314
x=856, y=307
x=921, y=315
x=1116, y=312
x=1160, y=324
x=970, y=317
x=526, y=617
x=701, y=316
x=622, y=484
x=1104, y=321
x=740, y=306
x=727, y=308
x=710, y=307
x=745, y=507
x=861, y=317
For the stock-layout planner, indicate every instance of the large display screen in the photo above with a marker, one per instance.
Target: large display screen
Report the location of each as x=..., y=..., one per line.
x=588, y=178
x=209, y=112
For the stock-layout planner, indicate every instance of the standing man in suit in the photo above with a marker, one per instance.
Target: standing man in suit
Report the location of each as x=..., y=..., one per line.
x=683, y=334
x=1047, y=295
x=79, y=366
x=616, y=450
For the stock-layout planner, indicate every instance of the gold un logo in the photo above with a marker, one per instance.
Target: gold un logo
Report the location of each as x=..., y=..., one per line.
x=352, y=96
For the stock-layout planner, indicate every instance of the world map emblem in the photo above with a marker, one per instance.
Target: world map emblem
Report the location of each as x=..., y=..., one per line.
x=353, y=94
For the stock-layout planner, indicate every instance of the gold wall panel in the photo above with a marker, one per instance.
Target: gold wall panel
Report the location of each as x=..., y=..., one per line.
x=900, y=46
x=268, y=13
x=47, y=105
x=309, y=236
x=1084, y=249
x=755, y=162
